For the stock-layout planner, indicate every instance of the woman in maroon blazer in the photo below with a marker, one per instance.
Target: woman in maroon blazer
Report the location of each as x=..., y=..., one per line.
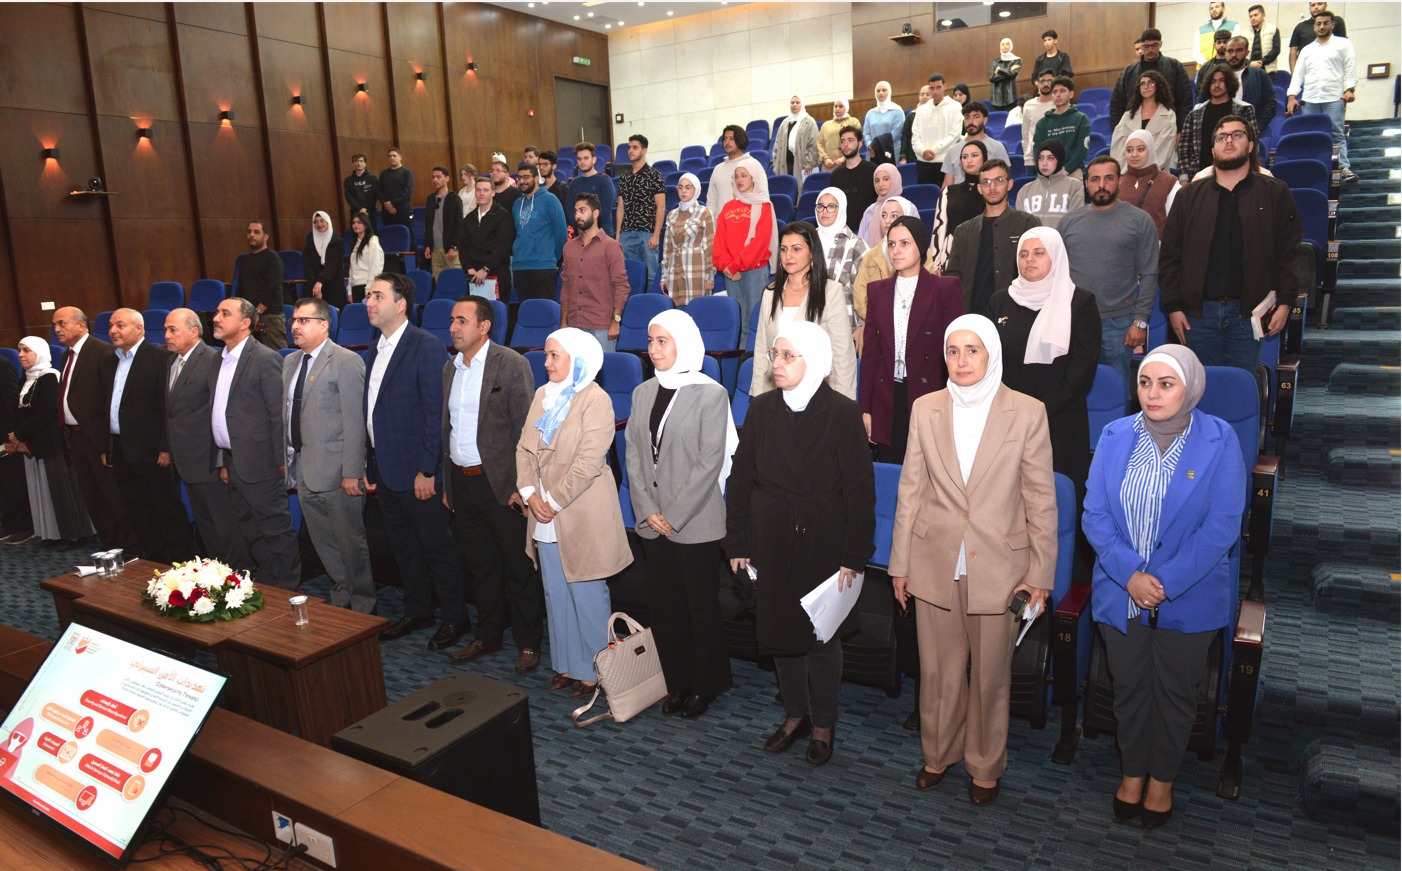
x=903, y=353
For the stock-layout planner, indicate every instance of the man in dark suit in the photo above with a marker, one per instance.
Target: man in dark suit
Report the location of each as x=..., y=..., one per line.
x=1256, y=85
x=250, y=449
x=487, y=390
x=193, y=365
x=324, y=385
x=135, y=443
x=403, y=417
x=82, y=409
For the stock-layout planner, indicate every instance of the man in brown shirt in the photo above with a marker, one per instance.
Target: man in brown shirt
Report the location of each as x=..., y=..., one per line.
x=593, y=280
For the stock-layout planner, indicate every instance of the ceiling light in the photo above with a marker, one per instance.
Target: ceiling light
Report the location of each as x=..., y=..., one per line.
x=591, y=15
x=530, y=5
x=946, y=23
x=1004, y=14
x=608, y=26
x=576, y=18
x=669, y=13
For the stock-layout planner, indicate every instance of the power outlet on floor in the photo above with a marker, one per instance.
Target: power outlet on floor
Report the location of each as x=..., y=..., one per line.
x=282, y=827
x=319, y=846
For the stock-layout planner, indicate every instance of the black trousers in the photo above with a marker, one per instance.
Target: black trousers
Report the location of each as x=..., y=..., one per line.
x=423, y=549
x=534, y=283
x=810, y=682
x=1156, y=673
x=101, y=496
x=492, y=539
x=159, y=525
x=929, y=173
x=900, y=427
x=683, y=587
x=14, y=496
x=265, y=523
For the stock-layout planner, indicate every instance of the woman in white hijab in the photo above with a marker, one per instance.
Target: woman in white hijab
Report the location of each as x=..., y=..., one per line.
x=801, y=508
x=829, y=135
x=796, y=143
x=1050, y=331
x=842, y=248
x=574, y=527
x=688, y=269
x=747, y=239
x=1003, y=73
x=55, y=502
x=884, y=117
x=975, y=525
x=680, y=439
x=323, y=262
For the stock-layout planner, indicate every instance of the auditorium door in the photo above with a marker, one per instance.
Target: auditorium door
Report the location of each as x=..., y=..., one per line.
x=582, y=114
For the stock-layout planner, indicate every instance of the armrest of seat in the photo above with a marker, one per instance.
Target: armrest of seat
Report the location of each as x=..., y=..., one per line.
x=1258, y=536
x=1073, y=604
x=1250, y=624
x=1287, y=375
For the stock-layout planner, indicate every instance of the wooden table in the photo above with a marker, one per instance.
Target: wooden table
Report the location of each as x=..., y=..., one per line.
x=312, y=680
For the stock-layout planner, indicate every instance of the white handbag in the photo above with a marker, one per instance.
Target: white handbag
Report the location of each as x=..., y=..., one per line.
x=630, y=674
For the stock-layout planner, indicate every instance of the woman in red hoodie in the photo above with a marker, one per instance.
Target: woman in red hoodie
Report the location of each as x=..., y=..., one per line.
x=746, y=239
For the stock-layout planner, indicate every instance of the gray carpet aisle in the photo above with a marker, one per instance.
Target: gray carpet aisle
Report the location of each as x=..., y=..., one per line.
x=1320, y=788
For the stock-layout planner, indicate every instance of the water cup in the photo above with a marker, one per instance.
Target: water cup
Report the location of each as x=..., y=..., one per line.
x=99, y=561
x=301, y=611
x=118, y=561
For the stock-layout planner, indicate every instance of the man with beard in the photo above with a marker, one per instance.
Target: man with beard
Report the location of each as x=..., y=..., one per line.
x=540, y=237
x=1256, y=89
x=1151, y=58
x=855, y=177
x=984, y=254
x=1195, y=146
x=1113, y=251
x=1210, y=278
x=1219, y=56
x=1032, y=112
x=975, y=120
x=593, y=280
x=721, y=188
x=1205, y=36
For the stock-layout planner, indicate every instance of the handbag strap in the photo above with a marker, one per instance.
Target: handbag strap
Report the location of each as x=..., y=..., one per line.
x=633, y=625
x=579, y=712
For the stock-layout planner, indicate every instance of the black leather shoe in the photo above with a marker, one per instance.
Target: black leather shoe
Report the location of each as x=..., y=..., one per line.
x=696, y=705
x=1153, y=819
x=674, y=702
x=1125, y=811
x=912, y=723
x=927, y=779
x=447, y=635
x=981, y=795
x=475, y=650
x=781, y=740
x=819, y=752
x=403, y=626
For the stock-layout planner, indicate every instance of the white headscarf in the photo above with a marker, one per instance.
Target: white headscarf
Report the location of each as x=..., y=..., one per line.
x=695, y=201
x=796, y=118
x=972, y=403
x=814, y=344
x=43, y=363
x=844, y=115
x=828, y=235
x=756, y=199
x=321, y=240
x=870, y=227
x=1006, y=55
x=686, y=370
x=884, y=105
x=586, y=359
x=1148, y=139
x=1050, y=298
x=908, y=209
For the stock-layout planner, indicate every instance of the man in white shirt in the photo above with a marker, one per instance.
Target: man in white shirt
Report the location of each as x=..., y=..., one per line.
x=1032, y=112
x=937, y=124
x=1324, y=80
x=83, y=413
x=721, y=188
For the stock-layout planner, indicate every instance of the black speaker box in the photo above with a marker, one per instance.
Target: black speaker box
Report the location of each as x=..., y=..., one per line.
x=465, y=735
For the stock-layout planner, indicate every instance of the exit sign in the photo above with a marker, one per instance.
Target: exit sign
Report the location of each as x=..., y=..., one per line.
x=582, y=61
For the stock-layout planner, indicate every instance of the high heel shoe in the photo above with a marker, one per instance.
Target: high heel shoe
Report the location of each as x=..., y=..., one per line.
x=1126, y=811
x=1153, y=819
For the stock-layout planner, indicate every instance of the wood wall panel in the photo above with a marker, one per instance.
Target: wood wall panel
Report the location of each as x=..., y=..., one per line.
x=224, y=241
x=290, y=69
x=289, y=22
x=228, y=17
x=35, y=186
x=148, y=175
x=304, y=169
x=169, y=254
x=355, y=27
x=218, y=70
x=41, y=66
x=149, y=11
x=414, y=33
x=365, y=115
x=230, y=170
x=420, y=106
x=133, y=68
x=64, y=261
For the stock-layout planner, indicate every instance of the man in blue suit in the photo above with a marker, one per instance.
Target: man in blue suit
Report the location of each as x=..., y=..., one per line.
x=1256, y=85
x=403, y=423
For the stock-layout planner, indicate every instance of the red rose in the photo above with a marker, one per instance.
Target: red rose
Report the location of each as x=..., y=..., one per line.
x=177, y=599
x=196, y=594
x=233, y=579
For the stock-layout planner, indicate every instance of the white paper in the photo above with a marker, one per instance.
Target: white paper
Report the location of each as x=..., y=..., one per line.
x=487, y=289
x=1029, y=616
x=828, y=606
x=84, y=571
x=1258, y=330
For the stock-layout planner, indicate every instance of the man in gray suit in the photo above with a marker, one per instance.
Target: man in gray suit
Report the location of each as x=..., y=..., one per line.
x=192, y=367
x=250, y=445
x=487, y=390
x=324, y=385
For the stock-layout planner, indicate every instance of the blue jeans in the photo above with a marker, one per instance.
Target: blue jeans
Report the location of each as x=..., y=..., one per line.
x=747, y=291
x=635, y=247
x=1335, y=110
x=1222, y=337
x=1113, y=352
x=603, y=337
x=576, y=616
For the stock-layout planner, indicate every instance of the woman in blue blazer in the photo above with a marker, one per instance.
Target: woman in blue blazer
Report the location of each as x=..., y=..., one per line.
x=1163, y=511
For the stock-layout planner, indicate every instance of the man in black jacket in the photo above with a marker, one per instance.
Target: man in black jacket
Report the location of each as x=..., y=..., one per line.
x=397, y=192
x=83, y=413
x=1151, y=59
x=484, y=242
x=135, y=443
x=362, y=186
x=442, y=217
x=260, y=282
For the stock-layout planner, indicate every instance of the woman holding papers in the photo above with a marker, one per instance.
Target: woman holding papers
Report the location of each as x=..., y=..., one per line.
x=975, y=525
x=1164, y=502
x=801, y=507
x=680, y=439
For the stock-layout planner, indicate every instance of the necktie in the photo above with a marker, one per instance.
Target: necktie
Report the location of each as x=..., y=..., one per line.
x=175, y=371
x=297, y=403
x=63, y=394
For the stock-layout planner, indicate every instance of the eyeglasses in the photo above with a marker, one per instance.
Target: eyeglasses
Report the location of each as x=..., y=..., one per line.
x=787, y=356
x=302, y=322
x=1234, y=136
x=992, y=182
x=823, y=207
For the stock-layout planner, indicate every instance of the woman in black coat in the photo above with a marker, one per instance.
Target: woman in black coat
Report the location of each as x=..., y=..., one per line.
x=801, y=507
x=323, y=262
x=1050, y=331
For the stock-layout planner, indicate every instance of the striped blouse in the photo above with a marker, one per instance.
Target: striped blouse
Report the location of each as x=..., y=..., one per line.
x=1146, y=481
x=843, y=259
x=686, y=255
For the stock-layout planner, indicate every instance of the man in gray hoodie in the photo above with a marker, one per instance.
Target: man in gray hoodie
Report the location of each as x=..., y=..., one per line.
x=1052, y=195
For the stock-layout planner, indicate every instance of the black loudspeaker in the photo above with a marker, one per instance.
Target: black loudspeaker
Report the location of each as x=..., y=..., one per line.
x=869, y=655
x=465, y=735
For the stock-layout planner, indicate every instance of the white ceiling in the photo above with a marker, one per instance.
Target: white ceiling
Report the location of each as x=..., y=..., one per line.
x=611, y=17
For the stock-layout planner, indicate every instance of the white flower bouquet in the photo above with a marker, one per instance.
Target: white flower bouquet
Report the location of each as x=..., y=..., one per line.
x=202, y=591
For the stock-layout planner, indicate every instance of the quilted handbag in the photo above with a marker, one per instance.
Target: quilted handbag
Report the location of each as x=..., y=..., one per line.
x=630, y=674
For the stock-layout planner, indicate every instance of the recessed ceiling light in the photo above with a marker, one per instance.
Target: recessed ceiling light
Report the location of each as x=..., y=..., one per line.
x=620, y=24
x=608, y=26
x=530, y=5
x=591, y=15
x=946, y=23
x=669, y=13
x=1004, y=14
x=576, y=18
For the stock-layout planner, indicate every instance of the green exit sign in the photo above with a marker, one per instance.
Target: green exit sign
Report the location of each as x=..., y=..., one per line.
x=582, y=61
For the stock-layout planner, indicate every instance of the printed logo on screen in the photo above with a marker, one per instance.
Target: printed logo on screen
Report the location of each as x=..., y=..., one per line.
x=83, y=644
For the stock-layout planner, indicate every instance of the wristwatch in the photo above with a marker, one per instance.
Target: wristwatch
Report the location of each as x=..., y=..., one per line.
x=618, y=319
x=1141, y=325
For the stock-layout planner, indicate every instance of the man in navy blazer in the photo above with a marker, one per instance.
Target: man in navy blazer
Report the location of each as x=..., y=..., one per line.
x=404, y=460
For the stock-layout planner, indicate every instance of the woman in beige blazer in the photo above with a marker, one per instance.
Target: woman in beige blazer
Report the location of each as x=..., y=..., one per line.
x=574, y=528
x=975, y=523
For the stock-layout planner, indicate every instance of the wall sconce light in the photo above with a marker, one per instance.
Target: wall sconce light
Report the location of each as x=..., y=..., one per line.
x=143, y=133
x=421, y=76
x=472, y=66
x=51, y=153
x=296, y=99
x=226, y=115
x=362, y=88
